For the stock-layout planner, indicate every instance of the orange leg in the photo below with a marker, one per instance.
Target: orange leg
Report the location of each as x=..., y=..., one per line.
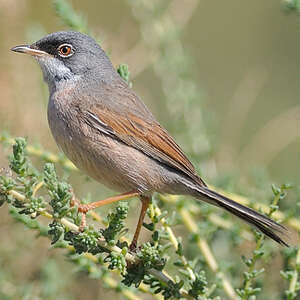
x=84, y=208
x=145, y=203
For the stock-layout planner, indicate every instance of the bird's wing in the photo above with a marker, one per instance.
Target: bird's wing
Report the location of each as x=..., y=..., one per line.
x=146, y=136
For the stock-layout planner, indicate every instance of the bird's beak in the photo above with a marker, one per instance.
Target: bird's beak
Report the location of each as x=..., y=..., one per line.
x=29, y=50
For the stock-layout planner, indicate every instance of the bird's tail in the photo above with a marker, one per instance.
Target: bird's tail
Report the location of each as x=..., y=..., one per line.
x=269, y=227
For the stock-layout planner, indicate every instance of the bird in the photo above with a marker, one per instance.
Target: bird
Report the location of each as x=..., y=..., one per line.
x=106, y=130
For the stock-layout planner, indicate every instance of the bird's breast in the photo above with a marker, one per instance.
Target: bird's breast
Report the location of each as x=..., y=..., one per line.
x=89, y=152
x=106, y=159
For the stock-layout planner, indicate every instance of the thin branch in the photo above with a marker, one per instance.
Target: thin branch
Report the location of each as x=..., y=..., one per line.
x=278, y=215
x=129, y=257
x=191, y=225
x=295, y=277
x=174, y=242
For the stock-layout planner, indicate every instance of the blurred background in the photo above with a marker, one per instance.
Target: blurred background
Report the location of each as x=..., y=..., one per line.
x=221, y=76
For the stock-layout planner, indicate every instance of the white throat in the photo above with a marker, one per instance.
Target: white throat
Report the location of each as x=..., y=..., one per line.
x=54, y=70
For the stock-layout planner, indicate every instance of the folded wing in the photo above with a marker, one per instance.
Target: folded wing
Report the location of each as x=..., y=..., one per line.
x=146, y=136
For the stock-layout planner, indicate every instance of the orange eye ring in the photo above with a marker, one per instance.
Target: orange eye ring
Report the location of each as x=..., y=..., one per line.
x=65, y=50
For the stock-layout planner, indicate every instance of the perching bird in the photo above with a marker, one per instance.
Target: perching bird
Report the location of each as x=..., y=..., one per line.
x=105, y=129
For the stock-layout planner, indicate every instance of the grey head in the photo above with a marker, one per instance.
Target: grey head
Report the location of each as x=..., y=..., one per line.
x=69, y=55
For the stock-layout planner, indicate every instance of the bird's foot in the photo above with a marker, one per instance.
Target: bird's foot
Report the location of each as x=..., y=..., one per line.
x=82, y=209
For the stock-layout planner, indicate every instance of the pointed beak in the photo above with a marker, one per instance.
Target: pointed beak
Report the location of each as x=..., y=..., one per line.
x=29, y=50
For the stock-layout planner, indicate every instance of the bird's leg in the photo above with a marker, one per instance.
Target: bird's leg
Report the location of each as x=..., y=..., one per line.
x=84, y=208
x=145, y=203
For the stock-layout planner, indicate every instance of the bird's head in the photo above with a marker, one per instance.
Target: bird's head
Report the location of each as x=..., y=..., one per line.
x=67, y=55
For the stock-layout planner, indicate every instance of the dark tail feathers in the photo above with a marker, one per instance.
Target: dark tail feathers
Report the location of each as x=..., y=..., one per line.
x=263, y=223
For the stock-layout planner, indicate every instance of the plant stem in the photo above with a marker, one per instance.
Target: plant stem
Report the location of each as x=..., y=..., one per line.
x=277, y=215
x=294, y=280
x=129, y=257
x=207, y=253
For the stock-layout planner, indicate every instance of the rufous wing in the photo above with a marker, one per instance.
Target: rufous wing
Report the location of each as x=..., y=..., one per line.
x=149, y=137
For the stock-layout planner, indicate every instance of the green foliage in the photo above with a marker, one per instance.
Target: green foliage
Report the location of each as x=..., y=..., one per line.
x=28, y=222
x=63, y=230
x=115, y=228
x=86, y=241
x=291, y=5
x=123, y=71
x=60, y=192
x=151, y=257
x=135, y=275
x=56, y=231
x=248, y=290
x=145, y=265
x=69, y=17
x=18, y=161
x=171, y=290
x=291, y=274
x=7, y=184
x=117, y=261
x=199, y=285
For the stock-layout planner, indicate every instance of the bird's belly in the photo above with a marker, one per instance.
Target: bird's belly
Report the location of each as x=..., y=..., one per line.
x=111, y=162
x=88, y=156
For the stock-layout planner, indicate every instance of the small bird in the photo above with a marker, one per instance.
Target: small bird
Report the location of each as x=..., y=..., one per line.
x=105, y=129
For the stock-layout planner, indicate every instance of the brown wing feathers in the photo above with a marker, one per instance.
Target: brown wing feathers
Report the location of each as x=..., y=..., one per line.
x=142, y=135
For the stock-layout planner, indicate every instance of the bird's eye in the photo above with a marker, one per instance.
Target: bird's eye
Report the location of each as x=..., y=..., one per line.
x=65, y=50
